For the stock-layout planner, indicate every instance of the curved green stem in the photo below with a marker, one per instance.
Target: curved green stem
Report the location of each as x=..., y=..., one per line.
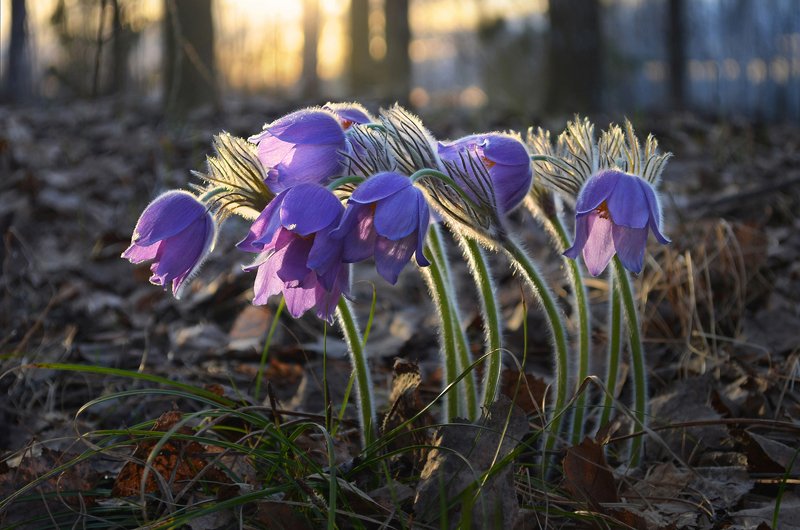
x=540, y=289
x=447, y=179
x=366, y=409
x=614, y=346
x=436, y=285
x=625, y=288
x=347, y=179
x=551, y=221
x=468, y=391
x=479, y=266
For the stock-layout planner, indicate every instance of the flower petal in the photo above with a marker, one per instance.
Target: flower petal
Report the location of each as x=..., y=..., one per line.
x=392, y=256
x=350, y=113
x=177, y=256
x=397, y=215
x=293, y=270
x=267, y=282
x=379, y=187
x=309, y=208
x=304, y=126
x=358, y=243
x=628, y=204
x=581, y=235
x=597, y=189
x=169, y=214
x=263, y=228
x=654, y=206
x=301, y=299
x=630, y=244
x=599, y=247
x=137, y=253
x=424, y=220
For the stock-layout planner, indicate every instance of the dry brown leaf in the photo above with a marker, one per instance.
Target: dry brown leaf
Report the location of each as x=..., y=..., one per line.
x=587, y=475
x=178, y=462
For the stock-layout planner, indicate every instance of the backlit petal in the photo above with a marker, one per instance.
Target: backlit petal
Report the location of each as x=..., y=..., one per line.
x=379, y=187
x=630, y=244
x=309, y=208
x=628, y=204
x=597, y=189
x=397, y=216
x=599, y=247
x=392, y=256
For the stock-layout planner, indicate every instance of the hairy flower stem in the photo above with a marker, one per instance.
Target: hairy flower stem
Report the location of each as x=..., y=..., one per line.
x=492, y=329
x=541, y=291
x=546, y=213
x=467, y=391
x=366, y=410
x=625, y=291
x=614, y=347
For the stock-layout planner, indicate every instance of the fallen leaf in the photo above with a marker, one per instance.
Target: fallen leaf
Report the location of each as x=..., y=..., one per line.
x=587, y=475
x=463, y=453
x=177, y=462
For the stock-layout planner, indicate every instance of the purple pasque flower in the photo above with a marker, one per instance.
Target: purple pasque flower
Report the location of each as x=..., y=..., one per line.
x=506, y=160
x=350, y=114
x=296, y=254
x=614, y=213
x=177, y=232
x=386, y=217
x=301, y=147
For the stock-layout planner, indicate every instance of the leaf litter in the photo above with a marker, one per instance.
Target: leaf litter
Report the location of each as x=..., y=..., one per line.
x=720, y=328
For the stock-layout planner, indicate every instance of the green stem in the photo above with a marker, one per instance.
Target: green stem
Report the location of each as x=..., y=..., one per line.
x=547, y=215
x=490, y=314
x=436, y=284
x=614, y=347
x=352, y=337
x=625, y=289
x=347, y=179
x=540, y=289
x=468, y=391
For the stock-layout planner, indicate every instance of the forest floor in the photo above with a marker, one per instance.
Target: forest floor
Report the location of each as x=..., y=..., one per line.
x=720, y=323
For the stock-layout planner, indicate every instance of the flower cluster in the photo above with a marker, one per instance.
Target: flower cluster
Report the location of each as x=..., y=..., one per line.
x=306, y=235
x=379, y=205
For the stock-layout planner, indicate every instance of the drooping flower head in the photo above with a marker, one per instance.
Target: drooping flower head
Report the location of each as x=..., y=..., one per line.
x=613, y=182
x=505, y=158
x=350, y=114
x=305, y=146
x=297, y=255
x=176, y=232
x=387, y=217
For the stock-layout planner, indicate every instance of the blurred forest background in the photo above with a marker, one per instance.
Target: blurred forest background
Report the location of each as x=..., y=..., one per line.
x=524, y=58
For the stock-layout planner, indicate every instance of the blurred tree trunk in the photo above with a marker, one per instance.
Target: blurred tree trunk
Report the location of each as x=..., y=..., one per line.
x=18, y=78
x=398, y=61
x=119, y=49
x=362, y=67
x=309, y=80
x=676, y=49
x=189, y=66
x=576, y=70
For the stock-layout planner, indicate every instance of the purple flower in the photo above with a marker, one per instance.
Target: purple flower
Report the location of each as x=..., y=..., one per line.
x=176, y=231
x=386, y=217
x=350, y=114
x=614, y=213
x=297, y=255
x=506, y=160
x=304, y=146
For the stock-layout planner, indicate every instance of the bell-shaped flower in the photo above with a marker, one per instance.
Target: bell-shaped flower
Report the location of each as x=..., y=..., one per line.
x=350, y=114
x=506, y=160
x=176, y=232
x=614, y=213
x=297, y=255
x=303, y=147
x=386, y=217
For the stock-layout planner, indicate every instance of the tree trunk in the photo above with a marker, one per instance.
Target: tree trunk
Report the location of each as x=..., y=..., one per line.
x=189, y=66
x=362, y=67
x=119, y=49
x=18, y=78
x=309, y=80
x=576, y=72
x=676, y=47
x=398, y=61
